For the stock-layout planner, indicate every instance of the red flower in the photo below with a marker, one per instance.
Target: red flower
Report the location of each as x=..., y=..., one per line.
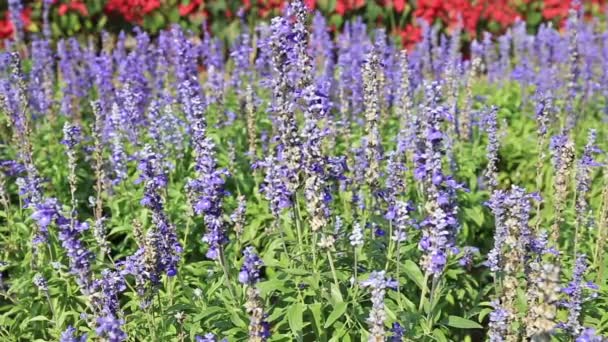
x=73, y=5
x=132, y=10
x=553, y=9
x=500, y=11
x=189, y=8
x=343, y=6
x=6, y=25
x=311, y=4
x=451, y=13
x=399, y=5
x=410, y=35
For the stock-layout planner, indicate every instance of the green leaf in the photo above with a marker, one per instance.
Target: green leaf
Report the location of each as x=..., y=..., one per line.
x=294, y=317
x=38, y=318
x=317, y=316
x=336, y=294
x=413, y=272
x=339, y=310
x=462, y=323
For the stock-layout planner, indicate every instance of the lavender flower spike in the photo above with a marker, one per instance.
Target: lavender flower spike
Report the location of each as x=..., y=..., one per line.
x=378, y=283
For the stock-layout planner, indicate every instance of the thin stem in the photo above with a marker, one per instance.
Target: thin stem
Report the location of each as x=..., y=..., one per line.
x=391, y=245
x=333, y=269
x=53, y=313
x=222, y=261
x=424, y=290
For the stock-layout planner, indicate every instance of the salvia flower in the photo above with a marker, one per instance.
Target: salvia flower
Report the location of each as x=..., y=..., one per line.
x=562, y=149
x=398, y=332
x=276, y=184
x=15, y=8
x=575, y=293
x=589, y=335
x=540, y=318
x=105, y=292
x=259, y=328
x=378, y=284
x=250, y=271
x=41, y=77
x=583, y=176
x=208, y=337
x=109, y=327
x=399, y=214
x=155, y=181
x=238, y=216
x=498, y=326
x=356, y=237
x=70, y=335
x=491, y=173
x=41, y=283
x=207, y=190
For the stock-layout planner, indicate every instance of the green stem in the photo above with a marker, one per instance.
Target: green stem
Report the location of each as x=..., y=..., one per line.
x=222, y=261
x=333, y=268
x=391, y=245
x=425, y=288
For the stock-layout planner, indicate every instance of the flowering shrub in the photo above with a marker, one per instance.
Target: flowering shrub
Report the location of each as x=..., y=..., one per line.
x=401, y=17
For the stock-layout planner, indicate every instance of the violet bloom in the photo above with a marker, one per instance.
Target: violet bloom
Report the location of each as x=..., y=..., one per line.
x=498, y=326
x=491, y=172
x=73, y=89
x=70, y=235
x=466, y=260
x=41, y=78
x=322, y=46
x=398, y=332
x=583, y=175
x=356, y=236
x=378, y=283
x=282, y=106
x=241, y=55
x=576, y=294
x=399, y=214
x=80, y=257
x=207, y=190
x=441, y=224
x=574, y=71
x=252, y=264
x=238, y=216
x=190, y=93
x=109, y=327
x=511, y=211
x=101, y=69
x=168, y=248
x=166, y=129
x=40, y=283
x=275, y=186
x=46, y=22
x=118, y=156
x=15, y=8
x=208, y=337
x=105, y=293
x=589, y=335
x=70, y=335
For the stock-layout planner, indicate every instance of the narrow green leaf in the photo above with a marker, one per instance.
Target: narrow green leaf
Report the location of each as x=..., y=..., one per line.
x=336, y=294
x=413, y=272
x=462, y=323
x=317, y=316
x=339, y=310
x=294, y=317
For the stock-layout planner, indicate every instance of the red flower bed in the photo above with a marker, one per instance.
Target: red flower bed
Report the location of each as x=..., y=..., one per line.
x=132, y=11
x=400, y=16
